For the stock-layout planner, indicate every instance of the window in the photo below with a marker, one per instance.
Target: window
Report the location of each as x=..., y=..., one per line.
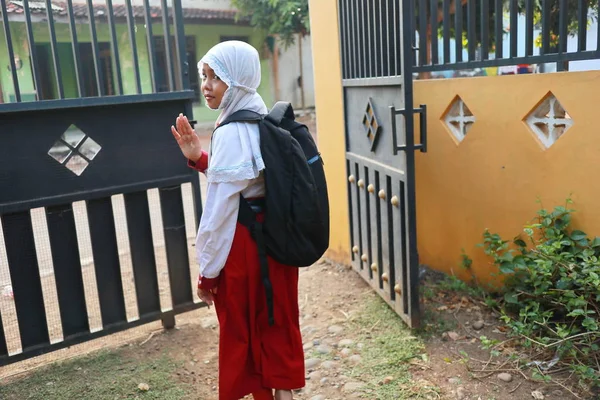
x=90, y=86
x=161, y=61
x=239, y=38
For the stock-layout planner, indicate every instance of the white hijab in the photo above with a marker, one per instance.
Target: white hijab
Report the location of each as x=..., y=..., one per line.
x=235, y=148
x=238, y=65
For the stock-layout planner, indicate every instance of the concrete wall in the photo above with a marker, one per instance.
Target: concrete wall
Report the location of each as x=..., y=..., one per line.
x=289, y=71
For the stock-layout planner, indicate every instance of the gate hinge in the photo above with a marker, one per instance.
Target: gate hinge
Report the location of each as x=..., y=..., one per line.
x=422, y=111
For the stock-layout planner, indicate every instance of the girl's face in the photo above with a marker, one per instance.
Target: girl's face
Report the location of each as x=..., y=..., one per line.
x=213, y=88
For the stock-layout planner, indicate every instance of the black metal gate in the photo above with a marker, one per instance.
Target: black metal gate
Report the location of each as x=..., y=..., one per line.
x=88, y=149
x=385, y=44
x=380, y=147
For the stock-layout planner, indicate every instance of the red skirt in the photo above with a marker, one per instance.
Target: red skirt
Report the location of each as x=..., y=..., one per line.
x=254, y=356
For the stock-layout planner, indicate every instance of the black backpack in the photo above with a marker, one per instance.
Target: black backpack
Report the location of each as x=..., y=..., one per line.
x=295, y=230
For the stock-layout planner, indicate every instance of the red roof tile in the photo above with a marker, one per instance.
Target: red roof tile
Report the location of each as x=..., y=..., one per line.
x=120, y=11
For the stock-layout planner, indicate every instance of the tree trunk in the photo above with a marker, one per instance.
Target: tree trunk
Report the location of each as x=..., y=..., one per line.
x=275, y=67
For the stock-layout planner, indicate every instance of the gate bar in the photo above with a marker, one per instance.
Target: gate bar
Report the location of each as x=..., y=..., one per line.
x=150, y=40
x=413, y=260
x=387, y=71
x=434, y=29
x=423, y=50
x=458, y=30
x=446, y=7
x=75, y=46
x=11, y=53
x=562, y=27
x=54, y=47
x=133, y=44
x=66, y=263
x=396, y=21
x=471, y=29
x=529, y=27
x=546, y=27
x=514, y=37
x=485, y=31
x=114, y=46
x=355, y=70
x=95, y=51
x=382, y=49
x=32, y=52
x=141, y=249
x=598, y=33
x=499, y=26
x=582, y=12
x=167, y=36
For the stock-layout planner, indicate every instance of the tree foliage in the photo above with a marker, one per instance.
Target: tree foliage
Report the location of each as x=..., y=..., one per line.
x=572, y=19
x=281, y=18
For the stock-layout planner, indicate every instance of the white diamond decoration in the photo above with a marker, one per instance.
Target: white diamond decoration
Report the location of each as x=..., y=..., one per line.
x=89, y=149
x=75, y=150
x=77, y=164
x=459, y=119
x=73, y=136
x=549, y=121
x=60, y=151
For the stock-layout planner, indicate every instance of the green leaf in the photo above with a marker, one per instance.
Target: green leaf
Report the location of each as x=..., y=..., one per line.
x=596, y=242
x=511, y=298
x=520, y=262
x=520, y=243
x=562, y=284
x=576, y=313
x=528, y=231
x=590, y=323
x=507, y=268
x=578, y=235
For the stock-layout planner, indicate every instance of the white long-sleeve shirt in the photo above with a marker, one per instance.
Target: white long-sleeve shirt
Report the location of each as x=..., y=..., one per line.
x=235, y=166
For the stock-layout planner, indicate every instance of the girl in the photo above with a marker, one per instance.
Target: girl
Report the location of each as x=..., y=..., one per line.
x=254, y=357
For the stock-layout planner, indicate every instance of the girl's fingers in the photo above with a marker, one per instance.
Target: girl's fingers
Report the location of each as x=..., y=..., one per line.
x=188, y=127
x=180, y=126
x=176, y=134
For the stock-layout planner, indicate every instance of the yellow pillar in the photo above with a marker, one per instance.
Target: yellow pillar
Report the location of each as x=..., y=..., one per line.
x=330, y=119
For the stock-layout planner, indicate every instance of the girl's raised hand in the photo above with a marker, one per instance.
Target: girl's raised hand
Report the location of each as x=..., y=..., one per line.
x=186, y=138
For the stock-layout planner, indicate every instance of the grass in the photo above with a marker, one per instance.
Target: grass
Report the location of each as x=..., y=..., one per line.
x=105, y=375
x=388, y=347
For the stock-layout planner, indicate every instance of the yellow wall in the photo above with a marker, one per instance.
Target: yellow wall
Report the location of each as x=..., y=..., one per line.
x=330, y=119
x=494, y=177
x=490, y=180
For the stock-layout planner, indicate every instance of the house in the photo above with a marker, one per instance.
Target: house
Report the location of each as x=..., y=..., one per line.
x=207, y=22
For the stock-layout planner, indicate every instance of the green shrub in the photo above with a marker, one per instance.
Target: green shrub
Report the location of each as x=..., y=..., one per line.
x=552, y=290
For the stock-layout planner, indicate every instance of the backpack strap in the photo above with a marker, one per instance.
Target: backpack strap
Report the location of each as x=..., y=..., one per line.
x=247, y=217
x=242, y=116
x=280, y=110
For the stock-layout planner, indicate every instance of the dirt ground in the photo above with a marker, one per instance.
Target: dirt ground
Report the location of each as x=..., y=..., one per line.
x=355, y=348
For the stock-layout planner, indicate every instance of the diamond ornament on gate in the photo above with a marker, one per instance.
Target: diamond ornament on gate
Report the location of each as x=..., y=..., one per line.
x=75, y=150
x=549, y=120
x=371, y=124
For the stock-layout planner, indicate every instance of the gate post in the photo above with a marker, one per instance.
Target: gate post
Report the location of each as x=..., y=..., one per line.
x=168, y=320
